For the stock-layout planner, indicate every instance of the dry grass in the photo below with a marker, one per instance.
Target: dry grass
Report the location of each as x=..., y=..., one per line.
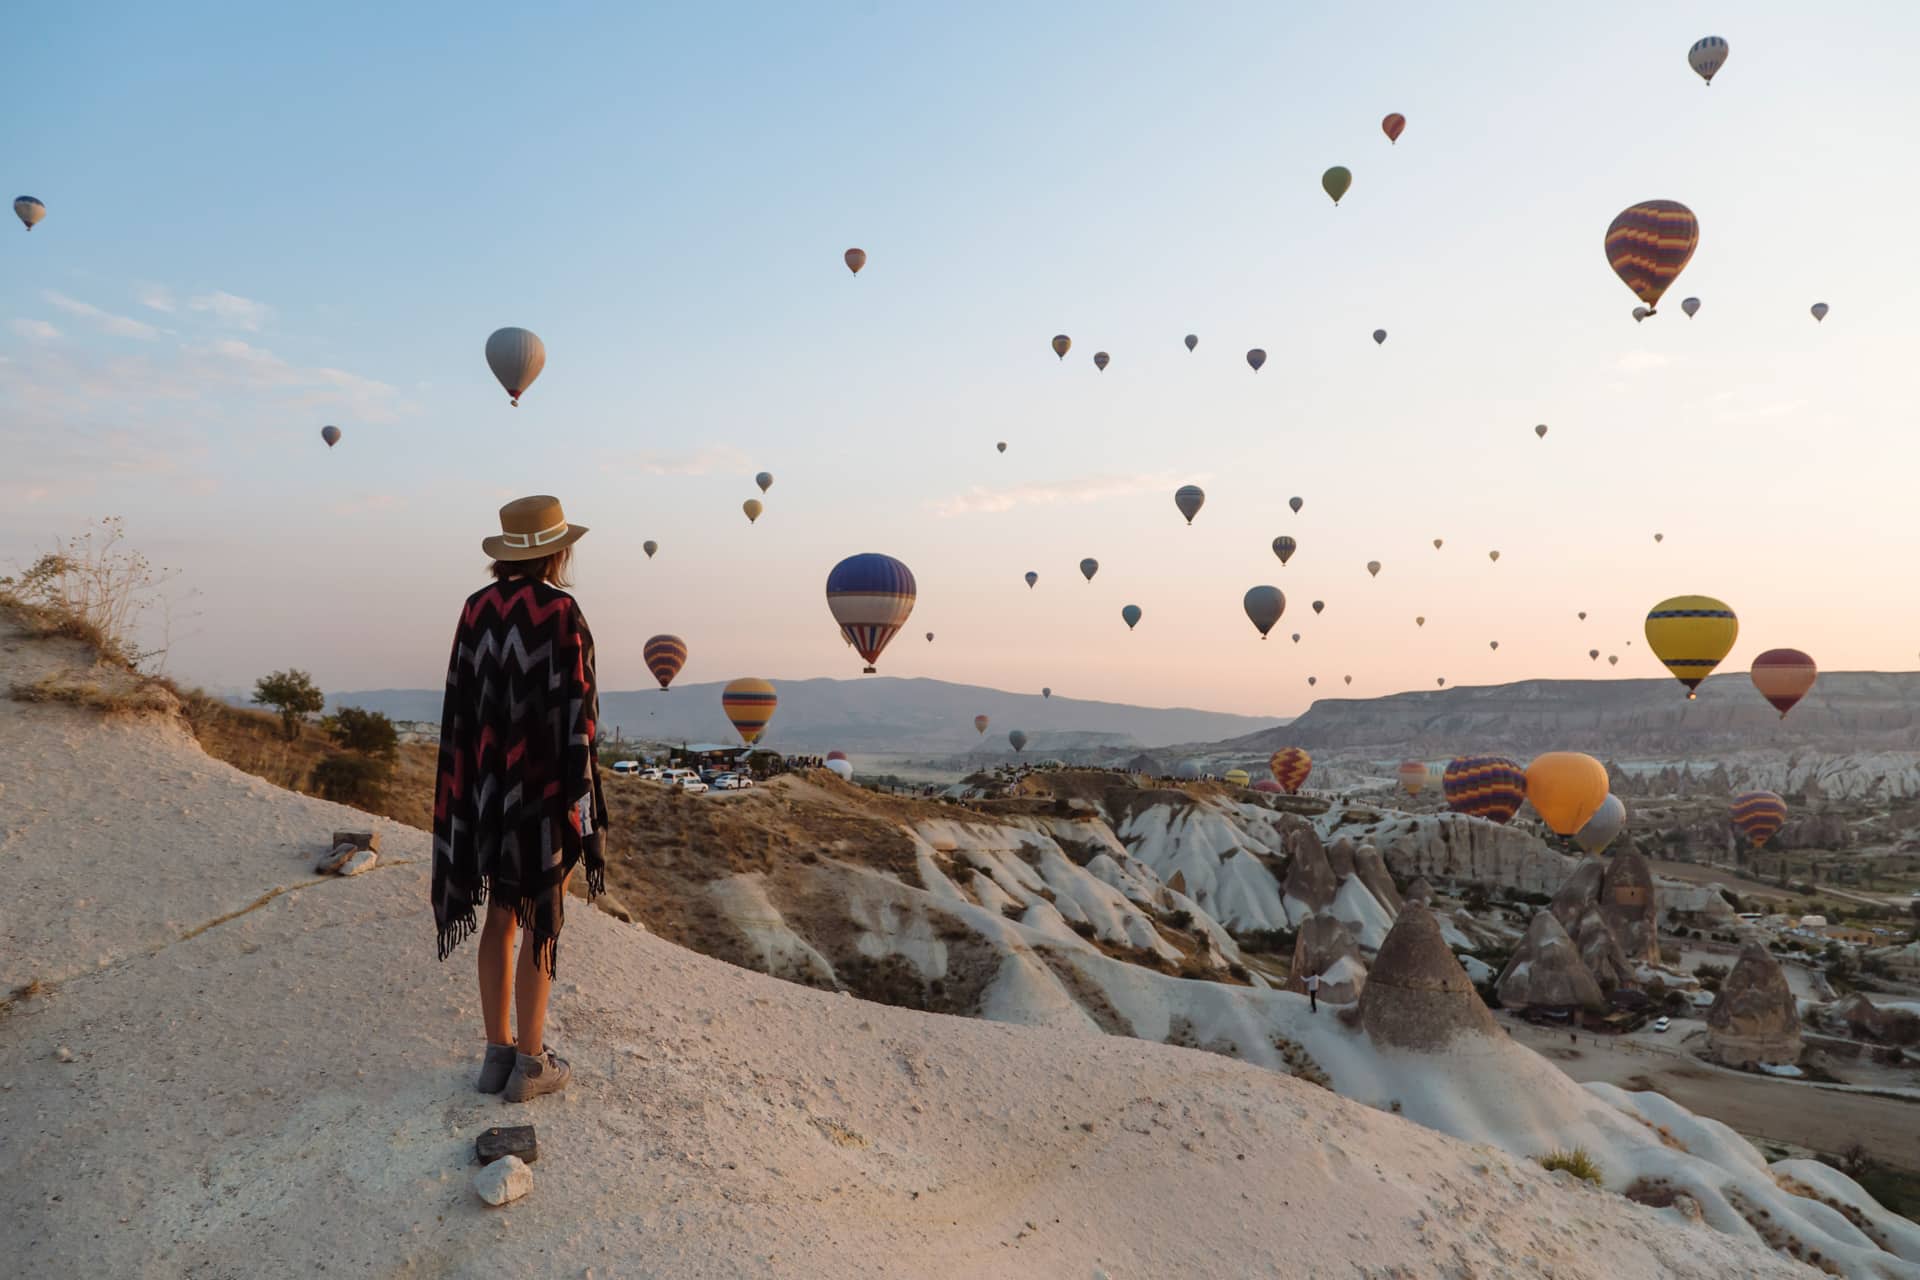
x=109, y=690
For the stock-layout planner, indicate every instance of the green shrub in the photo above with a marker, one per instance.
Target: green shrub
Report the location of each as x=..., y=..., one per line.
x=348, y=778
x=368, y=732
x=1576, y=1162
x=1180, y=919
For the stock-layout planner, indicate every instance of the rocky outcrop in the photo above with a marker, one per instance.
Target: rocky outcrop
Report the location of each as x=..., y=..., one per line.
x=1420, y=891
x=1600, y=952
x=1450, y=846
x=1340, y=857
x=1627, y=902
x=1324, y=946
x=1417, y=996
x=1754, y=1018
x=1547, y=971
x=1580, y=891
x=1372, y=870
x=1310, y=882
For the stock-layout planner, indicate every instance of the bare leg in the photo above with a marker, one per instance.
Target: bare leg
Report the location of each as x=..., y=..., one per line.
x=496, y=963
x=531, y=987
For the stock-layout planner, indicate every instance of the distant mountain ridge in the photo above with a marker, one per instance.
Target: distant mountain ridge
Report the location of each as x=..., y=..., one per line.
x=880, y=714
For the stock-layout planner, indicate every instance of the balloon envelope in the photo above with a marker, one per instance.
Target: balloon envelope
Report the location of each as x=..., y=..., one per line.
x=1708, y=55
x=1373, y=568
x=1255, y=358
x=649, y=546
x=871, y=596
x=1335, y=182
x=1691, y=634
x=1018, y=739
x=1783, y=677
x=1061, y=345
x=1236, y=778
x=764, y=480
x=1413, y=776
x=331, y=435
x=516, y=357
x=1393, y=125
x=980, y=724
x=1290, y=767
x=1690, y=306
x=855, y=259
x=1032, y=578
x=1264, y=605
x=1541, y=431
x=1319, y=605
x=1757, y=815
x=753, y=507
x=664, y=656
x=841, y=768
x=1649, y=244
x=1130, y=615
x=1379, y=336
x=1189, y=499
x=1088, y=568
x=1002, y=446
x=1494, y=556
x=1267, y=786
x=749, y=703
x=1046, y=693
x=1819, y=311
x=1284, y=547
x=1566, y=788
x=1193, y=340
x=1606, y=823
x=1100, y=359
x=1490, y=787
x=28, y=210
x=1296, y=504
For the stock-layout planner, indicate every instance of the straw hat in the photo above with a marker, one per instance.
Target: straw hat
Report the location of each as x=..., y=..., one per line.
x=532, y=529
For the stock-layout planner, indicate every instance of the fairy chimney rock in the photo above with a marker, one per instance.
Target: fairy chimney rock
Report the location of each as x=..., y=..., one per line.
x=1754, y=1018
x=1547, y=970
x=1372, y=870
x=1340, y=857
x=1417, y=996
x=1420, y=891
x=1627, y=903
x=1600, y=952
x=1576, y=893
x=1309, y=879
x=1324, y=946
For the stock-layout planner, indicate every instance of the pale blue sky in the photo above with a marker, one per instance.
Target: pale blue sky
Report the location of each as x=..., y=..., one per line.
x=258, y=224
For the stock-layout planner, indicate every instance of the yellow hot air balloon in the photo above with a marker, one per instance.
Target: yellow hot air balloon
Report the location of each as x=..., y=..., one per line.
x=749, y=704
x=1566, y=788
x=1691, y=634
x=1236, y=778
x=753, y=509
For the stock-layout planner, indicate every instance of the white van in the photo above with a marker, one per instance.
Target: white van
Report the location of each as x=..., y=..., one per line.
x=626, y=768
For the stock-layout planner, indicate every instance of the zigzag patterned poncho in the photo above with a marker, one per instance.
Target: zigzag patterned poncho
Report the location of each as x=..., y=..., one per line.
x=517, y=804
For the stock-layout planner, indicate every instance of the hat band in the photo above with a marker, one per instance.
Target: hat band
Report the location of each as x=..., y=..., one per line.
x=539, y=539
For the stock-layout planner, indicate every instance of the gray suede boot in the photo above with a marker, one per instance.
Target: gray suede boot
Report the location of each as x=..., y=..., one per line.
x=532, y=1077
x=497, y=1067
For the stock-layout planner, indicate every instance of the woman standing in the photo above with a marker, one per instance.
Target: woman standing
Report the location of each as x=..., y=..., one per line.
x=517, y=805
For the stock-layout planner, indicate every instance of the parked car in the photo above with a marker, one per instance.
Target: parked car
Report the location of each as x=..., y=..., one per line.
x=731, y=782
x=626, y=768
x=652, y=773
x=1660, y=1024
x=692, y=786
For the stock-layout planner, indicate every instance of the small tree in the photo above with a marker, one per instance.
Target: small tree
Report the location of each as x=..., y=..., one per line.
x=352, y=779
x=370, y=733
x=293, y=694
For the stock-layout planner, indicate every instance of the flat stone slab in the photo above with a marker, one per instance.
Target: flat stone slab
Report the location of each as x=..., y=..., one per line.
x=507, y=1140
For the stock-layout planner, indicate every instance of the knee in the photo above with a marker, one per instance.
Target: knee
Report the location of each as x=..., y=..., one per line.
x=498, y=929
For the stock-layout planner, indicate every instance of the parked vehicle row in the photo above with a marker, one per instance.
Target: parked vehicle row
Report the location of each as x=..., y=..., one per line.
x=691, y=781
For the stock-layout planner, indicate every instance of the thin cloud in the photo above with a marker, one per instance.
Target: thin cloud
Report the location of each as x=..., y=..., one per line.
x=37, y=329
x=105, y=321
x=231, y=309
x=1077, y=493
x=154, y=296
x=239, y=363
x=1641, y=361
x=700, y=462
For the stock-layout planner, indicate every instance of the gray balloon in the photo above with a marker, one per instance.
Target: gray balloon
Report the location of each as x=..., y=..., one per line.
x=1018, y=739
x=1190, y=498
x=516, y=357
x=764, y=480
x=1606, y=823
x=1264, y=606
x=1089, y=567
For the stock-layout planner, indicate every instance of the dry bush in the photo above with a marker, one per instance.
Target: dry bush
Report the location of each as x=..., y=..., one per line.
x=103, y=689
x=1578, y=1162
x=91, y=588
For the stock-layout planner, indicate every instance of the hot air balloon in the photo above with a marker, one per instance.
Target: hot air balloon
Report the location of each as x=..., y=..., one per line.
x=1392, y=125
x=764, y=480
x=1413, y=776
x=753, y=508
x=1264, y=605
x=1420, y=622
x=929, y=637
x=1296, y=504
x=331, y=435
x=1100, y=359
x=1493, y=644
x=1566, y=788
x=1438, y=543
x=516, y=357
x=1061, y=345
x=1659, y=537
x=1290, y=767
x=1707, y=56
x=1046, y=693
x=1255, y=358
x=1783, y=677
x=1494, y=556
x=749, y=704
x=1606, y=823
x=1613, y=659
x=1373, y=568
x=836, y=755
x=1284, y=547
x=1757, y=815
x=1819, y=311
x=28, y=210
x=1640, y=313
x=1490, y=787
x=1379, y=337
x=1541, y=431
x=1032, y=578
x=1236, y=778
x=1189, y=771
x=841, y=768
x=1018, y=739
x=1690, y=306
x=1131, y=616
x=1189, y=499
x=1690, y=634
x=1267, y=786
x=1348, y=679
x=1193, y=340
x=1582, y=615
x=1441, y=681
x=980, y=724
x=1319, y=606
x=1335, y=182
x=649, y=546
x=1296, y=637
x=1088, y=568
x=1649, y=244
x=664, y=656
x=856, y=259
x=871, y=597
x=1594, y=654
x=1002, y=446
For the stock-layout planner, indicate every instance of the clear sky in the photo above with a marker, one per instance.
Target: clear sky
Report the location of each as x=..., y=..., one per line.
x=260, y=222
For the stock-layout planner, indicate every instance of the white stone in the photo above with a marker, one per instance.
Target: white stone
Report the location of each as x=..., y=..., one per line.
x=361, y=861
x=503, y=1181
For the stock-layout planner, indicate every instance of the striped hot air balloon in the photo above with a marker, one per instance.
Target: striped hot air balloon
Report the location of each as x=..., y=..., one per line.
x=664, y=656
x=1189, y=498
x=980, y=724
x=1413, y=776
x=1707, y=55
x=1757, y=815
x=1691, y=634
x=1284, y=547
x=871, y=597
x=749, y=703
x=1290, y=767
x=1648, y=246
x=1783, y=677
x=1490, y=787
x=1236, y=778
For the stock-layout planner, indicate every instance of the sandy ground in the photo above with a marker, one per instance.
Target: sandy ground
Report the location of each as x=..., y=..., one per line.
x=268, y=1074
x=1786, y=1111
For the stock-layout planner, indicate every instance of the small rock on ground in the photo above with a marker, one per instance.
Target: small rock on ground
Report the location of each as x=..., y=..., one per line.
x=361, y=861
x=503, y=1181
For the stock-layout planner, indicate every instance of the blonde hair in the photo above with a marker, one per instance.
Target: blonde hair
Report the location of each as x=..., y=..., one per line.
x=555, y=568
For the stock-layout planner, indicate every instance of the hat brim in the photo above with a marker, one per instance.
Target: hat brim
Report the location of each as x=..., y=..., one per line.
x=500, y=549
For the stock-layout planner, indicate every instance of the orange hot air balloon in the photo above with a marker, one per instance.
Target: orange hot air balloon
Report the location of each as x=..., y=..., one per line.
x=1290, y=767
x=749, y=704
x=980, y=724
x=1783, y=677
x=1566, y=788
x=1393, y=126
x=856, y=259
x=1648, y=246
